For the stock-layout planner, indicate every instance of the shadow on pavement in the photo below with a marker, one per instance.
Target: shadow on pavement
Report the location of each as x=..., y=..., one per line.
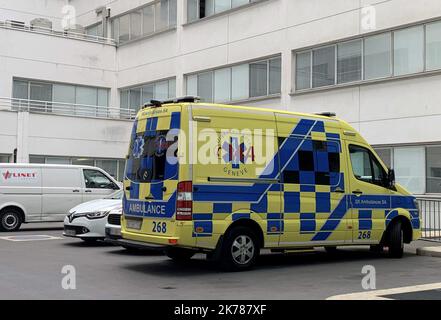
x=135, y=252
x=83, y=244
x=199, y=265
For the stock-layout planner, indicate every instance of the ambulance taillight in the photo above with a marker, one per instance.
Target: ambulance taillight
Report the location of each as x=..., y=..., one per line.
x=184, y=201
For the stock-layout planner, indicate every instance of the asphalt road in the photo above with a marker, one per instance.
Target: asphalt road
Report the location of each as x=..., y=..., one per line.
x=32, y=270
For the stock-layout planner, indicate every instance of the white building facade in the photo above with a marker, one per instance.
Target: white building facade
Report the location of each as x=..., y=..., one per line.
x=69, y=97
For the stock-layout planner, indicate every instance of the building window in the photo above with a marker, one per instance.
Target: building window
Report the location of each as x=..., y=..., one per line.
x=61, y=98
x=303, y=71
x=137, y=96
x=402, y=52
x=152, y=18
x=433, y=170
x=433, y=46
x=198, y=9
x=349, y=61
x=410, y=167
x=386, y=156
x=114, y=167
x=95, y=30
x=323, y=67
x=4, y=158
x=377, y=56
x=409, y=51
x=241, y=82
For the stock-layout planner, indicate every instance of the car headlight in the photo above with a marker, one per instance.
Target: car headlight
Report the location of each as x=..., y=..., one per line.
x=97, y=215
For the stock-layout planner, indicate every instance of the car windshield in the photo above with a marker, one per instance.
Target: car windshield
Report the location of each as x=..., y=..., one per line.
x=116, y=195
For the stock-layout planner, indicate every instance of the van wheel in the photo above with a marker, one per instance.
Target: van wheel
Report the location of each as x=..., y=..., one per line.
x=10, y=220
x=396, y=241
x=240, y=250
x=179, y=254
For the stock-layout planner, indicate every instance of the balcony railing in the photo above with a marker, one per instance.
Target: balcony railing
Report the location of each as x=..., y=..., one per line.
x=64, y=34
x=68, y=109
x=431, y=218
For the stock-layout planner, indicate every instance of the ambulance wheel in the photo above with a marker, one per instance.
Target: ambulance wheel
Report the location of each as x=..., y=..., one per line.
x=239, y=250
x=179, y=255
x=10, y=220
x=396, y=241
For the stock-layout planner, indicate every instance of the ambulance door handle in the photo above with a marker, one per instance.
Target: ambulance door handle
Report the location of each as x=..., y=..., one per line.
x=164, y=189
x=357, y=192
x=339, y=190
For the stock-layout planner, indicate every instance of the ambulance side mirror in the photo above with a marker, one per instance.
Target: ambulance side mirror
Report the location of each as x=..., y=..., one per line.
x=391, y=178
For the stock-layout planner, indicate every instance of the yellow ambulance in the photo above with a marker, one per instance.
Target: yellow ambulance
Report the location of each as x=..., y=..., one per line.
x=229, y=181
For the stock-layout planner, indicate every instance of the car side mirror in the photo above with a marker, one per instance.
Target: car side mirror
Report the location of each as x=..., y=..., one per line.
x=391, y=178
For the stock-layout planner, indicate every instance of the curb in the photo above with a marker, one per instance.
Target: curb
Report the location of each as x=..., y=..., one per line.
x=429, y=252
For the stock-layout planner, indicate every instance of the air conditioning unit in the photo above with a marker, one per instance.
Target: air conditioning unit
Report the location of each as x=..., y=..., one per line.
x=41, y=24
x=15, y=24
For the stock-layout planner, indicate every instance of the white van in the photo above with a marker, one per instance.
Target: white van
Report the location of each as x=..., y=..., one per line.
x=46, y=193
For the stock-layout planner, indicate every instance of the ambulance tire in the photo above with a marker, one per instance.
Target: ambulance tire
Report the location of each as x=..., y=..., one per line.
x=179, y=255
x=233, y=241
x=10, y=220
x=396, y=241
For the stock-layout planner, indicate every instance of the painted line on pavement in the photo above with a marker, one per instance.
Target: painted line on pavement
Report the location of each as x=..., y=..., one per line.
x=30, y=238
x=379, y=294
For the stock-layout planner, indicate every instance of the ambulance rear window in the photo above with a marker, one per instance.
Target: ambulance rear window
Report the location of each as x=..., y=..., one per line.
x=152, y=157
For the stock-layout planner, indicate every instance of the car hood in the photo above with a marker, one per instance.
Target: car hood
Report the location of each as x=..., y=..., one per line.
x=97, y=205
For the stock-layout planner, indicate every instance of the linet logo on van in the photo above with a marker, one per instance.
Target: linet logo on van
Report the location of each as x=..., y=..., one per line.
x=24, y=175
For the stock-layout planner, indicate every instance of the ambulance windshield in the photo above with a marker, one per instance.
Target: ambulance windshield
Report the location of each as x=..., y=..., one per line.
x=152, y=157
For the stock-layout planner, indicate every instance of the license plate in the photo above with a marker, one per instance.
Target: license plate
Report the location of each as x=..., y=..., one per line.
x=114, y=232
x=134, y=224
x=70, y=232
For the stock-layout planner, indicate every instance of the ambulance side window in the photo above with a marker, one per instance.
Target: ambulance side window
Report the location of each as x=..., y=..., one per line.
x=309, y=162
x=366, y=167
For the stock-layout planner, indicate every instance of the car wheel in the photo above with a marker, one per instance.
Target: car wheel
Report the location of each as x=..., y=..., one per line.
x=10, y=220
x=396, y=241
x=179, y=254
x=239, y=250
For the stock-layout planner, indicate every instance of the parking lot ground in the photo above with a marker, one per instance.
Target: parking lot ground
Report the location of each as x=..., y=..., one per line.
x=31, y=269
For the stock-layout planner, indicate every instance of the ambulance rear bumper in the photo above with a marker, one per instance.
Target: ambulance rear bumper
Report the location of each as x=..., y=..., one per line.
x=139, y=244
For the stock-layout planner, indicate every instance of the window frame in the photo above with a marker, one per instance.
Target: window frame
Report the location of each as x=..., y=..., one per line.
x=372, y=159
x=248, y=63
x=170, y=25
x=216, y=14
x=392, y=72
x=141, y=87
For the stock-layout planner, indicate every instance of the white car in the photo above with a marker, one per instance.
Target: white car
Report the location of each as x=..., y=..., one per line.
x=88, y=221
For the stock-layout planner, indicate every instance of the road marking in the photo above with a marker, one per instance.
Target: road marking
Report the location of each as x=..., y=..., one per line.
x=30, y=238
x=380, y=294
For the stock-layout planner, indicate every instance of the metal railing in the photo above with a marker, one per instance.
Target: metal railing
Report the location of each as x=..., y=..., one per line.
x=68, y=109
x=70, y=34
x=431, y=218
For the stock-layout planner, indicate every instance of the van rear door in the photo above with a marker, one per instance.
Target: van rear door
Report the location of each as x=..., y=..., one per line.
x=152, y=172
x=61, y=192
